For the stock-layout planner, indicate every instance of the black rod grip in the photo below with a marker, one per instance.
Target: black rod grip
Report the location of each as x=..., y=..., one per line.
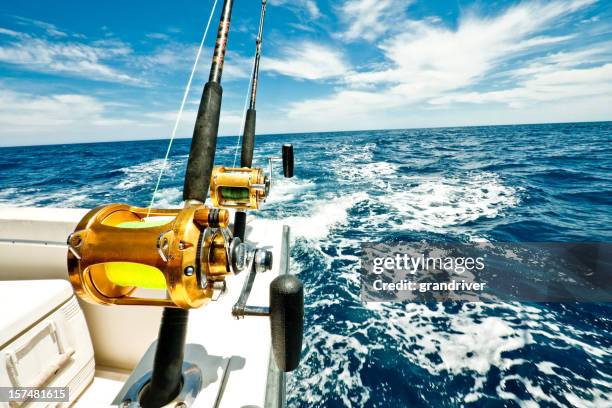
x=248, y=139
x=167, y=375
x=287, y=321
x=203, y=144
x=288, y=160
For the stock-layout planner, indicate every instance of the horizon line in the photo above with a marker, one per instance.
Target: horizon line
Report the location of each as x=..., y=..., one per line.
x=310, y=133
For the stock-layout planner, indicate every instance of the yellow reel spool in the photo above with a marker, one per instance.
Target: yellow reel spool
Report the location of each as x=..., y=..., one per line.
x=239, y=188
x=133, y=274
x=117, y=249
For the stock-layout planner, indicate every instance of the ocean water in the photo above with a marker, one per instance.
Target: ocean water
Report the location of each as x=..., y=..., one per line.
x=547, y=183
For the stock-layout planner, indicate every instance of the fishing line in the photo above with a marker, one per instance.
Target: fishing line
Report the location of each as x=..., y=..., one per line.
x=246, y=103
x=180, y=112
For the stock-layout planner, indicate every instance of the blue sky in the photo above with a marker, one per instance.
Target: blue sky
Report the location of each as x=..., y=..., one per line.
x=79, y=71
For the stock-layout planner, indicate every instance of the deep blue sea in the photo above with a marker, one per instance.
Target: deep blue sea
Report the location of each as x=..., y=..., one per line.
x=536, y=183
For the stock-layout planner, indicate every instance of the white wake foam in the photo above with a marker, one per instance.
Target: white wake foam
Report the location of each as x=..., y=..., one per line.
x=438, y=203
x=475, y=339
x=168, y=198
x=287, y=189
x=325, y=215
x=146, y=173
x=335, y=362
x=63, y=199
x=139, y=174
x=376, y=175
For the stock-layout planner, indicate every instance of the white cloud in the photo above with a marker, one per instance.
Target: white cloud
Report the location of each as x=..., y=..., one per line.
x=308, y=6
x=429, y=64
x=236, y=67
x=178, y=58
x=74, y=58
x=108, y=60
x=11, y=33
x=25, y=112
x=158, y=36
x=48, y=28
x=369, y=19
x=598, y=54
x=345, y=109
x=166, y=57
x=546, y=85
x=230, y=123
x=27, y=118
x=307, y=60
x=427, y=59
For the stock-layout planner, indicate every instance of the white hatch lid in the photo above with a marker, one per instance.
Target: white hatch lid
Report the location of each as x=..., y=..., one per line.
x=23, y=303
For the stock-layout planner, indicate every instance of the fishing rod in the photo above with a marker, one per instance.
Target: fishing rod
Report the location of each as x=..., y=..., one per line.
x=166, y=376
x=118, y=249
x=248, y=137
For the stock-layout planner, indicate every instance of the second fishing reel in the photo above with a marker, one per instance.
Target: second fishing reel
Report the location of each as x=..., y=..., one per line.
x=245, y=188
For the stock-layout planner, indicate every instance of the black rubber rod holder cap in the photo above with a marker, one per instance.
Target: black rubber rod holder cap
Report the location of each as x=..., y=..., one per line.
x=287, y=321
x=288, y=160
x=203, y=144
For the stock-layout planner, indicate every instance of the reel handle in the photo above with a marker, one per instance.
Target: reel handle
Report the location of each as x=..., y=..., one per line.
x=286, y=303
x=287, y=320
x=288, y=160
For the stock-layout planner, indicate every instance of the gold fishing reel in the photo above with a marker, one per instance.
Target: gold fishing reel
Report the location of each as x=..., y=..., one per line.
x=126, y=255
x=239, y=188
